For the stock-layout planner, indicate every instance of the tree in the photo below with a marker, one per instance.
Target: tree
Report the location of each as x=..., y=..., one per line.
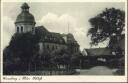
x=107, y=25
x=10, y=62
x=76, y=60
x=60, y=57
x=45, y=59
x=22, y=46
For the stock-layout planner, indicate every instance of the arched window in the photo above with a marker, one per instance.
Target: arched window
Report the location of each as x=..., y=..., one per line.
x=17, y=29
x=21, y=29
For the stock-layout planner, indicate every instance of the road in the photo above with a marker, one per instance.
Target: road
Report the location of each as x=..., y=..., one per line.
x=98, y=70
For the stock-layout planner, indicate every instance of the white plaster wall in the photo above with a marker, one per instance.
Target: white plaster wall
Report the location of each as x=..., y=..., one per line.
x=26, y=27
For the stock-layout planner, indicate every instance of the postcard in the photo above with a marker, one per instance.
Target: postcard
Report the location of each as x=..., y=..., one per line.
x=64, y=41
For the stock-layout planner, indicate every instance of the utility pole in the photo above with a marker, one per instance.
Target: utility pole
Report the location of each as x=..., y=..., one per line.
x=68, y=27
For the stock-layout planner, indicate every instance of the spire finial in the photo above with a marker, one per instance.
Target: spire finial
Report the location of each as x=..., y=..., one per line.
x=25, y=6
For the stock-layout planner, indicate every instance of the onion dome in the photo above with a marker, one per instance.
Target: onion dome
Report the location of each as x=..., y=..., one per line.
x=25, y=16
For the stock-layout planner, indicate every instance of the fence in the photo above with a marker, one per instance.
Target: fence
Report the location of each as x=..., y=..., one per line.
x=45, y=72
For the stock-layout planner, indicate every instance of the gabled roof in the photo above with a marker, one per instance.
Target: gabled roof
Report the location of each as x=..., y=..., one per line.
x=41, y=28
x=98, y=51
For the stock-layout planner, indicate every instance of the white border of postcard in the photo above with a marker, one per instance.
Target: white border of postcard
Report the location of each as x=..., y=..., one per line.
x=63, y=78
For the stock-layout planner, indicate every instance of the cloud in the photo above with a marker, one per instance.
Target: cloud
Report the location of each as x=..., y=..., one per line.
x=53, y=23
x=64, y=24
x=76, y=15
x=8, y=30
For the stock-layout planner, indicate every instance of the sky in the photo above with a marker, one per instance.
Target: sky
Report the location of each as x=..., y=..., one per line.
x=61, y=17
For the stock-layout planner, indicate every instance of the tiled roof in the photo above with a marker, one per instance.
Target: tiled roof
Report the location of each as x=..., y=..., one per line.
x=53, y=37
x=41, y=28
x=70, y=39
x=49, y=37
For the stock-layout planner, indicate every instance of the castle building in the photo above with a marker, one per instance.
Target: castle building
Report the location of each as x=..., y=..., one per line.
x=49, y=41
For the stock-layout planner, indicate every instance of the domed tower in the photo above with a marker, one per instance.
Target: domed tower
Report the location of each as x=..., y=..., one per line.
x=25, y=21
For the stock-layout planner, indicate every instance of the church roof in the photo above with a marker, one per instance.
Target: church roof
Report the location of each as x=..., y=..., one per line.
x=25, y=16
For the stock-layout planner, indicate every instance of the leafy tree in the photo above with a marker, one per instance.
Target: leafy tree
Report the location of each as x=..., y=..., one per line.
x=22, y=46
x=60, y=57
x=45, y=59
x=10, y=62
x=107, y=25
x=75, y=60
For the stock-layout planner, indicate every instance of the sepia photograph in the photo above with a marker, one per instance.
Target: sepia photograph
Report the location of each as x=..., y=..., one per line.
x=63, y=38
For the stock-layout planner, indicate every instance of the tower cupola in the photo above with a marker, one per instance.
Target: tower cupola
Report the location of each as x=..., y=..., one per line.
x=25, y=21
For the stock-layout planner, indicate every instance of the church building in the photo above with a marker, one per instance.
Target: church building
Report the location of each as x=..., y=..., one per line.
x=50, y=41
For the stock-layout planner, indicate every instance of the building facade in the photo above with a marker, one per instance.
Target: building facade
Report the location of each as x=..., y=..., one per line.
x=49, y=41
